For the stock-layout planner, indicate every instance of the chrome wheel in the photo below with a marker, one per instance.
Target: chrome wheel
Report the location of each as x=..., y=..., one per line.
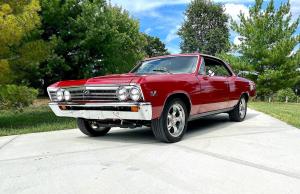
x=242, y=108
x=176, y=120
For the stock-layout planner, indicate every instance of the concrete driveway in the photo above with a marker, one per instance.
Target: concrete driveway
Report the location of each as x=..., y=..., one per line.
x=259, y=155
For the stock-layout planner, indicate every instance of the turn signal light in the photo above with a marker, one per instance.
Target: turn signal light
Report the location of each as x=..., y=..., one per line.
x=62, y=107
x=134, y=109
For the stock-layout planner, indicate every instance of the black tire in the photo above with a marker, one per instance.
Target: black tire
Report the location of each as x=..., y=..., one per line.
x=85, y=127
x=160, y=125
x=235, y=114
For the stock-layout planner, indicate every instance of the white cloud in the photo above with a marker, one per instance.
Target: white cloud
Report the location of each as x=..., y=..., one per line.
x=173, y=49
x=172, y=35
x=295, y=8
x=148, y=30
x=144, y=5
x=135, y=6
x=234, y=10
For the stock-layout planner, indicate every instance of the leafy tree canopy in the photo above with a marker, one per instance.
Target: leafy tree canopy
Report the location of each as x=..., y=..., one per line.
x=237, y=63
x=154, y=47
x=21, y=50
x=267, y=41
x=205, y=29
x=93, y=38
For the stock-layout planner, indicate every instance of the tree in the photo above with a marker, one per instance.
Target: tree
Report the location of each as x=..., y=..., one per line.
x=93, y=38
x=112, y=39
x=154, y=47
x=267, y=41
x=21, y=49
x=205, y=29
x=237, y=63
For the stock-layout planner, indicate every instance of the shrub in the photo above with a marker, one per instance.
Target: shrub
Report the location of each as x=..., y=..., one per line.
x=16, y=97
x=281, y=95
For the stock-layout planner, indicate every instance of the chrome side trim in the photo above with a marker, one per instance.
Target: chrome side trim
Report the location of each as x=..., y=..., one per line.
x=197, y=116
x=144, y=113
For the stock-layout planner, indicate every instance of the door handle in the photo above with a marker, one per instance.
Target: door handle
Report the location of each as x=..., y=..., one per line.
x=205, y=77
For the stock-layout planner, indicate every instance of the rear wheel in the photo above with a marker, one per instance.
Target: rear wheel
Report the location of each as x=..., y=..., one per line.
x=91, y=128
x=171, y=126
x=239, y=113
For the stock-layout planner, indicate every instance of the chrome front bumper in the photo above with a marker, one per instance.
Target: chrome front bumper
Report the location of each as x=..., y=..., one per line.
x=144, y=111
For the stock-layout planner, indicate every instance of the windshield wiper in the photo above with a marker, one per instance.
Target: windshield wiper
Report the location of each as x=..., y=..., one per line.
x=162, y=70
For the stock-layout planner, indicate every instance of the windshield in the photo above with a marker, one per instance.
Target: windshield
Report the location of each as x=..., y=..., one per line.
x=173, y=65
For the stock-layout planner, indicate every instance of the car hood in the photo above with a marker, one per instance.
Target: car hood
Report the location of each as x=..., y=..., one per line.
x=112, y=79
x=108, y=79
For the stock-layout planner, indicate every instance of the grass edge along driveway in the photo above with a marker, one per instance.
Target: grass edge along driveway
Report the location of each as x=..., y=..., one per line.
x=287, y=112
x=33, y=119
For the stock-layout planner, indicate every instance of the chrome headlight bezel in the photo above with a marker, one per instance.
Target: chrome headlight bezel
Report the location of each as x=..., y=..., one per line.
x=122, y=93
x=130, y=92
x=67, y=95
x=135, y=93
x=60, y=95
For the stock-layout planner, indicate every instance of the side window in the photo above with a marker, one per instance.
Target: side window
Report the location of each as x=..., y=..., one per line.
x=202, y=67
x=216, y=68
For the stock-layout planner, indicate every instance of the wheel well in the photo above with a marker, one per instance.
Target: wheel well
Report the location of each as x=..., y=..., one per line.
x=183, y=97
x=246, y=96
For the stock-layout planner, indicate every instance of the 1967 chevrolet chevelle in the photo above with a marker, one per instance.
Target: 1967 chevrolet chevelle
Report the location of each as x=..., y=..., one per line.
x=162, y=92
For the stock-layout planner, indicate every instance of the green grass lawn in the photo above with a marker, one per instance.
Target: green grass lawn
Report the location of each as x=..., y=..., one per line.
x=33, y=119
x=287, y=112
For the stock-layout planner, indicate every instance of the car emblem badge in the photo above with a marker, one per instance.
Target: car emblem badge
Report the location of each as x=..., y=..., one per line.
x=153, y=93
x=86, y=92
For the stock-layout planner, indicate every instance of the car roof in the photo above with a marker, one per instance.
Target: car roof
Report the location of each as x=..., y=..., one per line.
x=184, y=54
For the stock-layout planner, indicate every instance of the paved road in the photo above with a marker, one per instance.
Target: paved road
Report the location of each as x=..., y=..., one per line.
x=259, y=155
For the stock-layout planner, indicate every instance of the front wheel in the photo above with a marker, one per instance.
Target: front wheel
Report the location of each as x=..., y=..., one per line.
x=91, y=128
x=239, y=113
x=171, y=126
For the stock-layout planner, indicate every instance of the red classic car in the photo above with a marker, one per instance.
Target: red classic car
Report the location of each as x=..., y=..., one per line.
x=162, y=92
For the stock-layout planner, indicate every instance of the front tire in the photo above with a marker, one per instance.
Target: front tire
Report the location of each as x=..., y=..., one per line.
x=171, y=126
x=91, y=128
x=239, y=112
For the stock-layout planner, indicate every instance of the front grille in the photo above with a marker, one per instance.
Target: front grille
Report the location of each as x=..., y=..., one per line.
x=101, y=94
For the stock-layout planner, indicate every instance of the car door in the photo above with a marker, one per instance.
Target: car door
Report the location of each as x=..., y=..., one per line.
x=213, y=85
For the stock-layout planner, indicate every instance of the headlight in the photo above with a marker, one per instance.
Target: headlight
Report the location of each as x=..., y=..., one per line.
x=135, y=94
x=122, y=94
x=60, y=95
x=67, y=95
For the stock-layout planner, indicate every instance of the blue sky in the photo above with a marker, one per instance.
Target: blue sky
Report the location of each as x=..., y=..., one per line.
x=162, y=18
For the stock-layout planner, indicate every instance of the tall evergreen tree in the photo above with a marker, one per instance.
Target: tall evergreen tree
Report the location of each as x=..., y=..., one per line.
x=267, y=41
x=205, y=29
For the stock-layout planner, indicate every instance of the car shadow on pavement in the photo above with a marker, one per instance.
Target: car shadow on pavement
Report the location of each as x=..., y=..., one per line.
x=212, y=123
x=195, y=128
